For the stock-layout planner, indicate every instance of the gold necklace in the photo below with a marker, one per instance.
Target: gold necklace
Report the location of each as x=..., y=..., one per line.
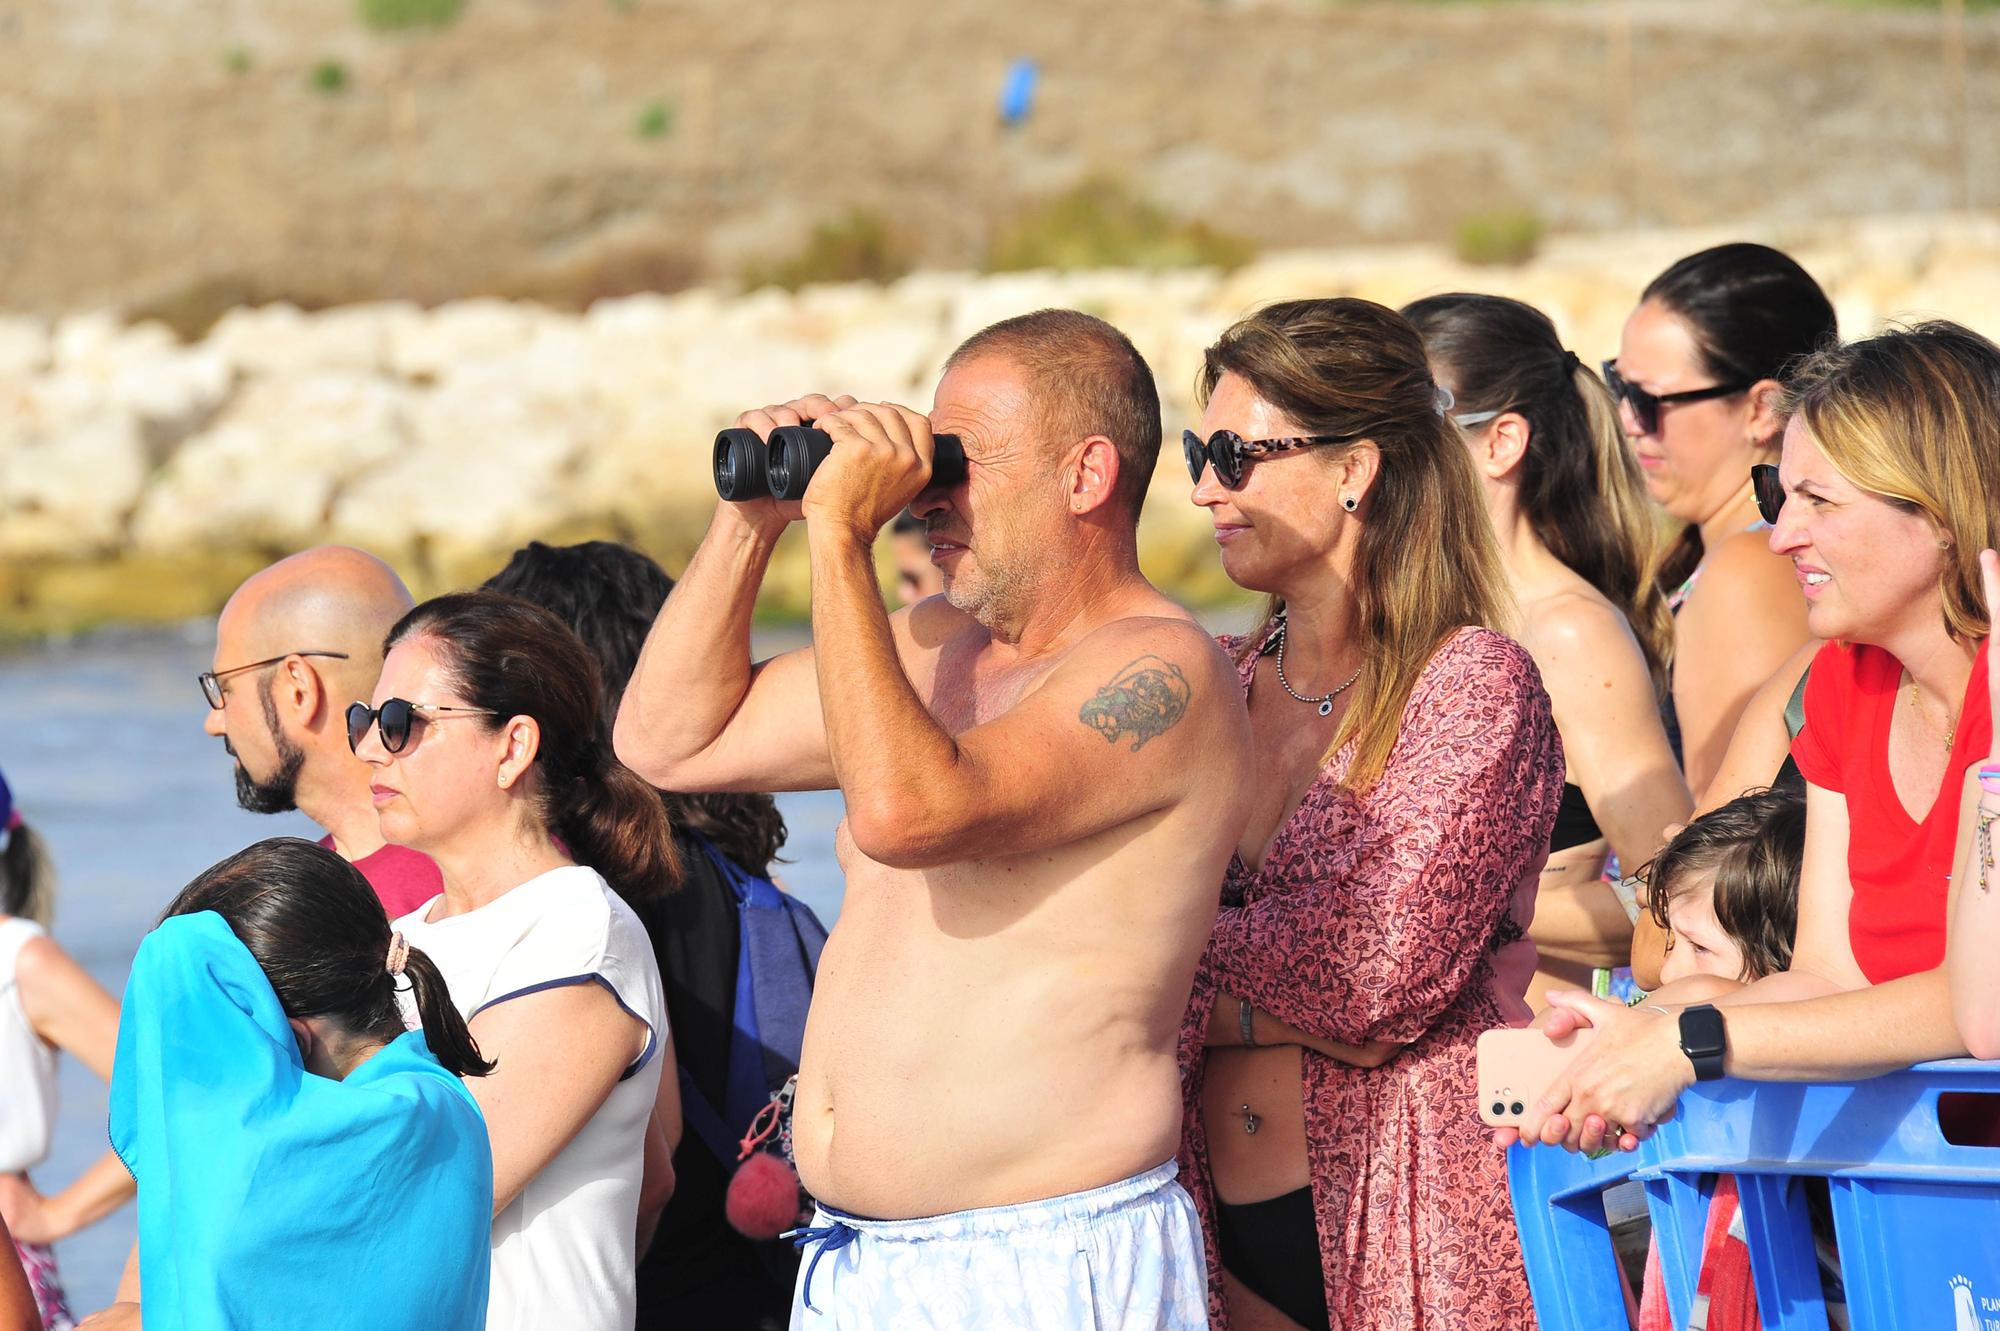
x=1950, y=719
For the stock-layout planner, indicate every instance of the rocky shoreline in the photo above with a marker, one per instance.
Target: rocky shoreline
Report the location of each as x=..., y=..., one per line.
x=140, y=478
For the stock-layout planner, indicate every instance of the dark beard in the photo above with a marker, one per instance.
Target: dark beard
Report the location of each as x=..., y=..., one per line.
x=276, y=793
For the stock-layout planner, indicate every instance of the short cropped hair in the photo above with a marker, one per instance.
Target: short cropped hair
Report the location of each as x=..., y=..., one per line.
x=1088, y=379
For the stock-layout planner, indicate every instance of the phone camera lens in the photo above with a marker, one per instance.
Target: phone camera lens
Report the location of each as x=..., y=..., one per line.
x=1519, y=1108
x=1498, y=1109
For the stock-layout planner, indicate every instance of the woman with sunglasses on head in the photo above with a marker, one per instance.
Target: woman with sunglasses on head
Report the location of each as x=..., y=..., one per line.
x=489, y=752
x=1576, y=535
x=1890, y=484
x=48, y=1005
x=1697, y=380
x=1373, y=922
x=303, y=1159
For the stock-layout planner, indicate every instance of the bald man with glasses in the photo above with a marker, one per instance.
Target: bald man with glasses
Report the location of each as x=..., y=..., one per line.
x=295, y=645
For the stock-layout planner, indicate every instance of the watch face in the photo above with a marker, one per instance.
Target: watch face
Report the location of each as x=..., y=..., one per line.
x=1703, y=1041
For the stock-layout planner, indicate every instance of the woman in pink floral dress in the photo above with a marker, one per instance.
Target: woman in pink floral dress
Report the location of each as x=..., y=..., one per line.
x=1373, y=922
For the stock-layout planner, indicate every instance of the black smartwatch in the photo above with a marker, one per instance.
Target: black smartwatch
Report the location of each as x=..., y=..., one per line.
x=1703, y=1040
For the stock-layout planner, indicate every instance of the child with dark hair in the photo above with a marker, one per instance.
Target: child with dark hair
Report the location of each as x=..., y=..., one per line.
x=1726, y=890
x=302, y=1158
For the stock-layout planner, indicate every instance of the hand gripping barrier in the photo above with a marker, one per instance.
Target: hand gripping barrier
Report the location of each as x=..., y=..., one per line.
x=1916, y=1218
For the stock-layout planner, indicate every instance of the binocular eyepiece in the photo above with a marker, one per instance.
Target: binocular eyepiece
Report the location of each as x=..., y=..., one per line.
x=748, y=468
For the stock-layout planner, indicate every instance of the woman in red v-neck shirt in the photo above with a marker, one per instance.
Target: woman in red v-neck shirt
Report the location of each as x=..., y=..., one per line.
x=1890, y=489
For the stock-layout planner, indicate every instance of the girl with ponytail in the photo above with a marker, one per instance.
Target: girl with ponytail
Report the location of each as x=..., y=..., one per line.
x=302, y=1158
x=487, y=739
x=1576, y=534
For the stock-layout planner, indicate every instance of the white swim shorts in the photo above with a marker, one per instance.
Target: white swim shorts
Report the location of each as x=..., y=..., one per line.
x=1125, y=1257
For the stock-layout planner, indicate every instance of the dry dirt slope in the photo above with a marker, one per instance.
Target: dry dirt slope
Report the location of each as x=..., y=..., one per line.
x=149, y=145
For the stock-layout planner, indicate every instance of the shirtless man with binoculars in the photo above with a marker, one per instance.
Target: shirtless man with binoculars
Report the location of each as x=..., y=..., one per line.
x=1044, y=770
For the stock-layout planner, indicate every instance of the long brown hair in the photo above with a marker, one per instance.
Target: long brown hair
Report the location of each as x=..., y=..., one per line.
x=1581, y=490
x=1427, y=564
x=512, y=658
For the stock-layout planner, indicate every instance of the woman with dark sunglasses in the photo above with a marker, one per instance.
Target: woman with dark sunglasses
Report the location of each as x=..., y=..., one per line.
x=487, y=739
x=1697, y=378
x=1576, y=533
x=1891, y=490
x=1374, y=919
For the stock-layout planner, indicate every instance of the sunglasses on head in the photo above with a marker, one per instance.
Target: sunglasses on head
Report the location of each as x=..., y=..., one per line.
x=1231, y=454
x=395, y=717
x=1646, y=406
x=1769, y=491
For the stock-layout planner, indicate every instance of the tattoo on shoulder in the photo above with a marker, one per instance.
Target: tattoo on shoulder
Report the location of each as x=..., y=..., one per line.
x=1147, y=698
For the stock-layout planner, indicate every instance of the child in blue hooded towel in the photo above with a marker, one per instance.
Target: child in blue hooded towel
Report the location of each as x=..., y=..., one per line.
x=302, y=1159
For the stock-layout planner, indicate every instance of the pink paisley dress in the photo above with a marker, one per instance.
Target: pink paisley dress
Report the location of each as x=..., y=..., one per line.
x=1400, y=915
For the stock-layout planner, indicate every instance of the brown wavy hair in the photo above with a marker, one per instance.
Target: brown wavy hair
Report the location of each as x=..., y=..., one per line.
x=1581, y=490
x=513, y=658
x=1427, y=564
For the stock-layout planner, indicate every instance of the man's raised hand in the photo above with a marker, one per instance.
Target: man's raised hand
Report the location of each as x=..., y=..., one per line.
x=881, y=460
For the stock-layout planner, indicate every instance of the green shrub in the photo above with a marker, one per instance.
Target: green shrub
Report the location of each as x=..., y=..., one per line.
x=1499, y=237
x=395, y=15
x=329, y=76
x=655, y=120
x=1102, y=224
x=237, y=60
x=857, y=246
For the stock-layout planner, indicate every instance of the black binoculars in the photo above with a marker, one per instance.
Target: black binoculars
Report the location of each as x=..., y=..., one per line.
x=748, y=468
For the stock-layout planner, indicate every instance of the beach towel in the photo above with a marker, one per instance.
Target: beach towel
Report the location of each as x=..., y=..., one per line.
x=270, y=1196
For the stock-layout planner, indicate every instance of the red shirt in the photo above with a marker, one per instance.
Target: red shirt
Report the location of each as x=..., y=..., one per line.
x=1900, y=868
x=403, y=878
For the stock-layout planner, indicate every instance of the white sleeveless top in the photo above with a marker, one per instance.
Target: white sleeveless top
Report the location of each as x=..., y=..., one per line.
x=27, y=1063
x=563, y=1249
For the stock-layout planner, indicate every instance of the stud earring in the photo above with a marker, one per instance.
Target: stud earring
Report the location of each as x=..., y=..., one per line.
x=1350, y=503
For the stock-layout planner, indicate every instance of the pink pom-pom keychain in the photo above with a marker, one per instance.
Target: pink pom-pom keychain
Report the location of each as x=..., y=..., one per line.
x=764, y=1196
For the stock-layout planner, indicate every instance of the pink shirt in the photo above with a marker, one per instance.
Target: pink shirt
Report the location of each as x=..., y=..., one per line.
x=403, y=878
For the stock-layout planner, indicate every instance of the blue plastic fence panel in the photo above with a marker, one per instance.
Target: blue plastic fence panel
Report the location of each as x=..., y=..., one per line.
x=1916, y=1217
x=1565, y=1240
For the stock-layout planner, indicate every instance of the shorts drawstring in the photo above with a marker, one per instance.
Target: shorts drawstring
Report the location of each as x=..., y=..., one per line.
x=831, y=1237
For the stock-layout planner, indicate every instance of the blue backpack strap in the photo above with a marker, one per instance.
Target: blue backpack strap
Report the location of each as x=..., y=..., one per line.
x=700, y=1115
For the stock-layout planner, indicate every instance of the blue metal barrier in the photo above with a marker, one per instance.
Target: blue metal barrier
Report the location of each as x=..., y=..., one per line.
x=1916, y=1218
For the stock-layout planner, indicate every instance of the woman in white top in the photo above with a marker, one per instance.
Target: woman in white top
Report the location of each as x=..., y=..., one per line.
x=47, y=1003
x=490, y=757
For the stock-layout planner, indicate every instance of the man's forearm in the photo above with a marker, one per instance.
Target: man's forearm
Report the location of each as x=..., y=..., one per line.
x=878, y=731
x=695, y=666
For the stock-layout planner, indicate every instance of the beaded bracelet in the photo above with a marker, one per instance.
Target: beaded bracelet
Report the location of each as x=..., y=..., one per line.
x=1989, y=780
x=1984, y=848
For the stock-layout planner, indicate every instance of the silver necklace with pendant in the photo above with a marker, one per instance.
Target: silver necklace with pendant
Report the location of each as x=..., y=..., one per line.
x=1325, y=700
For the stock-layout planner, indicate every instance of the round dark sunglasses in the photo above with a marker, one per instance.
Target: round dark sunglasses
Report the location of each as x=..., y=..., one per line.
x=1646, y=406
x=396, y=716
x=1769, y=491
x=1231, y=454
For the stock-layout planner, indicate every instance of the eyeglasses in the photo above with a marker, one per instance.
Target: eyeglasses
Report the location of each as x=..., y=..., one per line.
x=1769, y=490
x=396, y=716
x=1646, y=406
x=211, y=680
x=1472, y=418
x=1230, y=453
